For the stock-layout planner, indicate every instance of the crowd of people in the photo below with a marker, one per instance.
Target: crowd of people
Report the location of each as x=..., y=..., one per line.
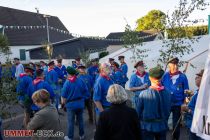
x=43, y=89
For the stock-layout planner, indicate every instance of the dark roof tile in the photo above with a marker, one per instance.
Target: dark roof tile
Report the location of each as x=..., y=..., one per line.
x=15, y=17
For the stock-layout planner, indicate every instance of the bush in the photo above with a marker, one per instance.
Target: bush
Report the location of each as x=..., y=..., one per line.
x=103, y=54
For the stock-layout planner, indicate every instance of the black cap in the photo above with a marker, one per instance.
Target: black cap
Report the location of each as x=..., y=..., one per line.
x=94, y=60
x=78, y=59
x=59, y=60
x=139, y=63
x=29, y=69
x=51, y=63
x=81, y=67
x=39, y=72
x=174, y=60
x=42, y=62
x=116, y=64
x=111, y=59
x=16, y=58
x=121, y=57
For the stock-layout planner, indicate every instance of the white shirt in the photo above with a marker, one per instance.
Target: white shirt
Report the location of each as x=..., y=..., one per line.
x=19, y=70
x=174, y=78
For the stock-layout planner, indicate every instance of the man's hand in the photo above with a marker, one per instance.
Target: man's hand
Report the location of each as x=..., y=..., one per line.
x=63, y=107
x=184, y=108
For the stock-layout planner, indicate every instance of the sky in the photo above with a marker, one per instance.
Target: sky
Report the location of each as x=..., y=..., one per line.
x=98, y=17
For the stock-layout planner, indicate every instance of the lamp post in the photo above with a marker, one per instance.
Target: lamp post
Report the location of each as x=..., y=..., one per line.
x=49, y=47
x=48, y=34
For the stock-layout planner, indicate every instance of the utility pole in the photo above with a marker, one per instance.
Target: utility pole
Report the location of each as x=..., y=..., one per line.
x=49, y=47
x=48, y=34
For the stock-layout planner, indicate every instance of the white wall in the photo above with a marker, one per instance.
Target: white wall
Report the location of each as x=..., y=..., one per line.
x=15, y=50
x=151, y=61
x=66, y=62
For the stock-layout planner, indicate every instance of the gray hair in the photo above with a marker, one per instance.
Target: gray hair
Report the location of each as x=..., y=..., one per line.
x=116, y=94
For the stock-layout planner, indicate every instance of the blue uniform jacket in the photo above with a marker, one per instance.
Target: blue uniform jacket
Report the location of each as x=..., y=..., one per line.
x=153, y=109
x=61, y=73
x=135, y=81
x=118, y=78
x=93, y=71
x=124, y=68
x=100, y=90
x=75, y=93
x=191, y=106
x=24, y=82
x=52, y=79
x=76, y=66
x=87, y=79
x=40, y=84
x=13, y=69
x=177, y=89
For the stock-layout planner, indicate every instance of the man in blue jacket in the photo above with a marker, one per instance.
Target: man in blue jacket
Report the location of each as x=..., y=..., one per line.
x=44, y=67
x=191, y=107
x=139, y=81
x=62, y=74
x=93, y=70
x=24, y=81
x=38, y=84
x=89, y=82
x=153, y=107
x=117, y=75
x=61, y=70
x=176, y=82
x=53, y=81
x=77, y=63
x=74, y=94
x=124, y=68
x=101, y=87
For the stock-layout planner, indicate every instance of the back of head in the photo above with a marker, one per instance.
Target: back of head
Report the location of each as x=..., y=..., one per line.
x=116, y=94
x=41, y=96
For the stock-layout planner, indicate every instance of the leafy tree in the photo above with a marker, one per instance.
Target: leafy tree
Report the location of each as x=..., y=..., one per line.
x=190, y=31
x=131, y=41
x=155, y=19
x=84, y=55
x=7, y=86
x=4, y=45
x=178, y=22
x=103, y=54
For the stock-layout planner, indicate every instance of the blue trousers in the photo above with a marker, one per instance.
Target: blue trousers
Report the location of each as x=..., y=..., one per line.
x=57, y=97
x=176, y=113
x=147, y=135
x=71, y=119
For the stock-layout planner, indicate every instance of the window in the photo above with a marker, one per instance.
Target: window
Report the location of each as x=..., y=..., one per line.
x=22, y=54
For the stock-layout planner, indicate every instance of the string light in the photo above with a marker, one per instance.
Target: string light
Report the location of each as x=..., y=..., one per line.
x=68, y=33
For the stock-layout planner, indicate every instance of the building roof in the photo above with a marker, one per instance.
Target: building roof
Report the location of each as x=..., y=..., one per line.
x=152, y=34
x=70, y=49
x=30, y=36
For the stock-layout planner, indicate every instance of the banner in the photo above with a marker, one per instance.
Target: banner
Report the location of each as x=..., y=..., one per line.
x=201, y=118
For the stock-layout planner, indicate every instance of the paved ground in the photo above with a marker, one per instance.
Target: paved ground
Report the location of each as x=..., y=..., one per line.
x=16, y=124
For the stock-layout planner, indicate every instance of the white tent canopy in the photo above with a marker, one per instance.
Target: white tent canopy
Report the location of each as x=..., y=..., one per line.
x=199, y=55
